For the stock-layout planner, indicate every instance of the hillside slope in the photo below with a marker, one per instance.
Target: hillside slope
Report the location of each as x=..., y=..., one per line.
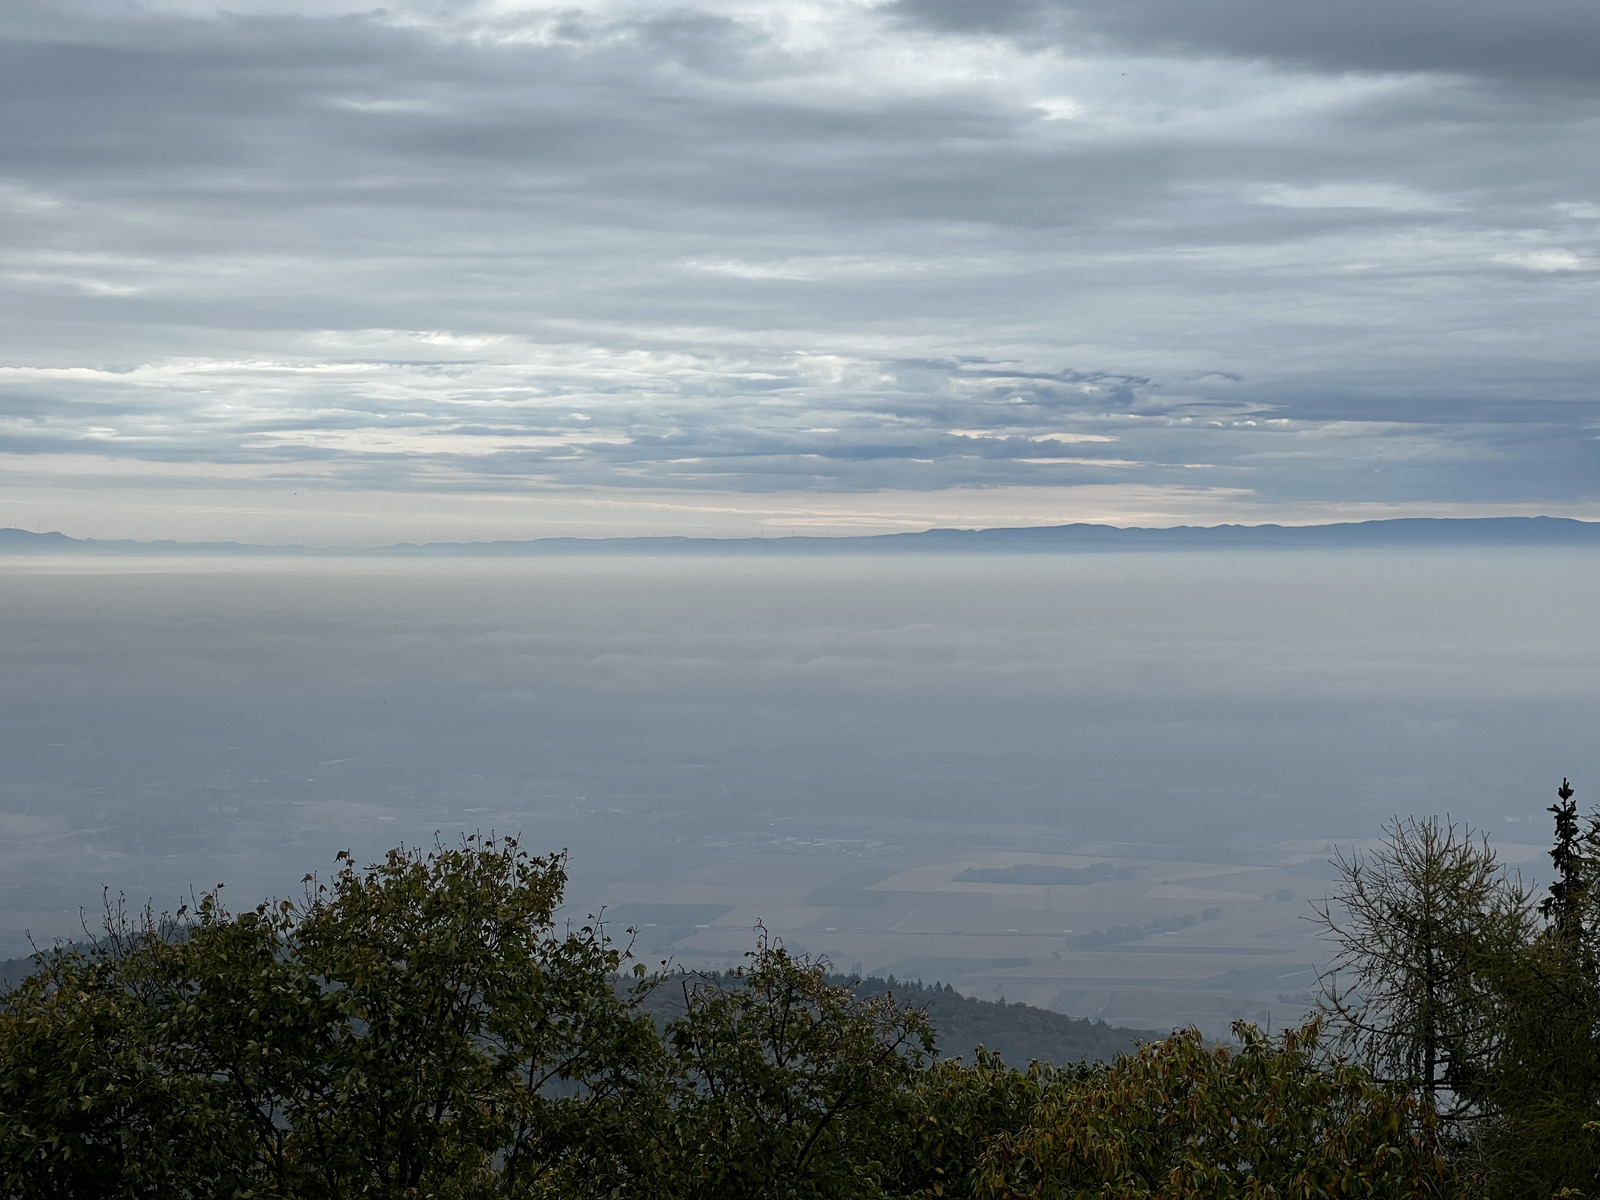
x=1019, y=1033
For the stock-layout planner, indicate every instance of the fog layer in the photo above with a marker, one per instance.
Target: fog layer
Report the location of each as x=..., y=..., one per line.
x=170, y=725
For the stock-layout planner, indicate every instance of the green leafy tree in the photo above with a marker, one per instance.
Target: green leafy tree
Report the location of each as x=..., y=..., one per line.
x=100, y=1094
x=785, y=1086
x=1178, y=1120
x=1570, y=905
x=1542, y=1137
x=475, y=1042
x=418, y=1028
x=960, y=1110
x=424, y=1027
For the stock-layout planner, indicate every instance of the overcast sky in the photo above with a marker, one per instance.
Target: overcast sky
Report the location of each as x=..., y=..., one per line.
x=296, y=271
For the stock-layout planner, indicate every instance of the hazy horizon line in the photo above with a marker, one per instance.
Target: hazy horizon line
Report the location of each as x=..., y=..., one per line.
x=1540, y=530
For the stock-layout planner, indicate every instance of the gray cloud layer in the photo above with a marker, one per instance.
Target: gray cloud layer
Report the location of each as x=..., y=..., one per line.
x=1299, y=255
x=1541, y=42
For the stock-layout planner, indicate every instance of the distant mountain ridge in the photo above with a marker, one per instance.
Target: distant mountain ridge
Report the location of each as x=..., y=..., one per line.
x=1398, y=532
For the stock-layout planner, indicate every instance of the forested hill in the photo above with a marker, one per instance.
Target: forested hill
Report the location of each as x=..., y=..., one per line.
x=1019, y=1033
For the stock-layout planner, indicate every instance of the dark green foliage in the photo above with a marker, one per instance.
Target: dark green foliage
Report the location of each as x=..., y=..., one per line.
x=1174, y=1120
x=1451, y=979
x=1179, y=1120
x=99, y=1094
x=1015, y=1033
x=965, y=1110
x=1542, y=1085
x=424, y=1027
x=782, y=1084
x=397, y=1034
x=1570, y=906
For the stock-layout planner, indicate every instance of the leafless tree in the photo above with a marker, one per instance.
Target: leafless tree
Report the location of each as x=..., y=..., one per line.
x=1425, y=926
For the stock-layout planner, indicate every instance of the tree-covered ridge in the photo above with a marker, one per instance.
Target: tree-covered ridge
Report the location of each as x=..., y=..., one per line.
x=1017, y=1034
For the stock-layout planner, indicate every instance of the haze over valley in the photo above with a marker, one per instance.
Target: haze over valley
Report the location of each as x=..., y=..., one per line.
x=867, y=754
